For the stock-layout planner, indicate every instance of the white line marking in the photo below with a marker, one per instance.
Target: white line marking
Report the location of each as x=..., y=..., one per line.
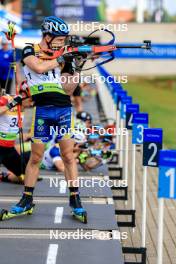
x=52, y=254
x=58, y=215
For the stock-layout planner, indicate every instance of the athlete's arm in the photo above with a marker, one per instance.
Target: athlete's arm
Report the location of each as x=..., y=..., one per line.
x=35, y=64
x=5, y=105
x=39, y=66
x=70, y=82
x=69, y=78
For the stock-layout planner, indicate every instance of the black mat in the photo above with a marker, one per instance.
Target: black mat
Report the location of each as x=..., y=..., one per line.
x=54, y=187
x=41, y=251
x=100, y=217
x=102, y=170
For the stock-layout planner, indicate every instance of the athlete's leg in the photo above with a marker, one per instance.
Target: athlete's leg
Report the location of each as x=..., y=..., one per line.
x=39, y=132
x=71, y=175
x=8, y=177
x=71, y=172
x=11, y=159
x=66, y=143
x=31, y=175
x=32, y=169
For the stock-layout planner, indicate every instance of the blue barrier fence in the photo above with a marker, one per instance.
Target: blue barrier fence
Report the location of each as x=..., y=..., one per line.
x=159, y=51
x=151, y=139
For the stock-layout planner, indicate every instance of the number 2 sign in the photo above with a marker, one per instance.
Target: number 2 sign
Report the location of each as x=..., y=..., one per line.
x=167, y=174
x=153, y=138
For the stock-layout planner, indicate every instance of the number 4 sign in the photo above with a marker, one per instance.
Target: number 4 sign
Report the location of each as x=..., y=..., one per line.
x=130, y=110
x=167, y=174
x=153, y=138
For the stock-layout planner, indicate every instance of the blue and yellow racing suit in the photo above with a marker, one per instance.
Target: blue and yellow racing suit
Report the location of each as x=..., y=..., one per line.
x=53, y=109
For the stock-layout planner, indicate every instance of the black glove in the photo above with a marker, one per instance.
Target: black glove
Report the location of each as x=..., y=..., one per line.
x=17, y=100
x=68, y=68
x=79, y=62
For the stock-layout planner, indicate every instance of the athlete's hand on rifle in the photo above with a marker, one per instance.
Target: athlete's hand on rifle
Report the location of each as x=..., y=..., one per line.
x=78, y=62
x=61, y=61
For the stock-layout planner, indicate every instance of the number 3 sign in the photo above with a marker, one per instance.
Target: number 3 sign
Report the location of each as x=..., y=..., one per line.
x=140, y=121
x=153, y=138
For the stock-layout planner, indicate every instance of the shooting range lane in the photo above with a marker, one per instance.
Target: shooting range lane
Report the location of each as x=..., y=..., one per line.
x=49, y=215
x=100, y=171
x=58, y=216
x=54, y=187
x=60, y=251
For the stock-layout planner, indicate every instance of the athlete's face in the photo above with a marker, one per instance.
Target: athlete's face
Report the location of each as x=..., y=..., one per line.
x=58, y=42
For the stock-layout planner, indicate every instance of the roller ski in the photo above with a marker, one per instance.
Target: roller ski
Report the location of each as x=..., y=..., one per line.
x=78, y=212
x=24, y=207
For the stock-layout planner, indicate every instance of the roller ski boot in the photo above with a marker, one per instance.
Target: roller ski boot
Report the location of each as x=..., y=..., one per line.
x=78, y=211
x=24, y=207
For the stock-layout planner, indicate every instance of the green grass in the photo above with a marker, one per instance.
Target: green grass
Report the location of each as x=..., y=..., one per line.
x=158, y=98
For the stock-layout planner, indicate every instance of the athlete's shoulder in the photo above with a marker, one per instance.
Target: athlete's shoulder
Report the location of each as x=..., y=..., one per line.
x=28, y=50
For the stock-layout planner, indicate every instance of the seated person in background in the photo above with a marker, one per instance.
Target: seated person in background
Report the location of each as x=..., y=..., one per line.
x=9, y=131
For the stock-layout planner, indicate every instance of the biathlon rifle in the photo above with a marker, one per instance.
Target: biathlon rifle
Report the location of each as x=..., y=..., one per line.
x=78, y=49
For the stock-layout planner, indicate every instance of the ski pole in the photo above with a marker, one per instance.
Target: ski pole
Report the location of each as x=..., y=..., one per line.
x=10, y=34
